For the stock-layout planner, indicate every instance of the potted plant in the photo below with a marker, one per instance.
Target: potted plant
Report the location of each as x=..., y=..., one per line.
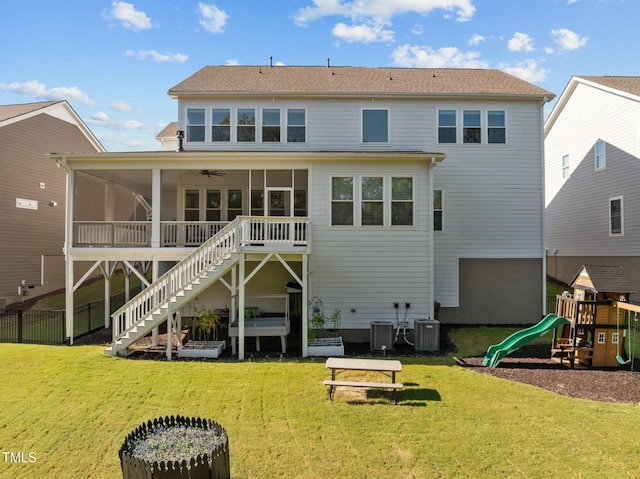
x=177, y=446
x=204, y=335
x=324, y=338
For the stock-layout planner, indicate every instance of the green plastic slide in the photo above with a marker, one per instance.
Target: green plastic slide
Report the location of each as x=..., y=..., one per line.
x=518, y=339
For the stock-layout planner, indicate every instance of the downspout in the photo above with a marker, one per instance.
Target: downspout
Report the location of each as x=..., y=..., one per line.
x=432, y=255
x=543, y=228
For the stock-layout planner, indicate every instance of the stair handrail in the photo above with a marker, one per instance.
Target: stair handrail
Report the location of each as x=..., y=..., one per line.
x=181, y=275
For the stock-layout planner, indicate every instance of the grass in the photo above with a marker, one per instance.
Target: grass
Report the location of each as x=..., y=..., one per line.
x=71, y=407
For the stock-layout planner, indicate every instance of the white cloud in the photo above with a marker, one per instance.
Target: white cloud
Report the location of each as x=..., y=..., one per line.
x=417, y=29
x=528, y=70
x=128, y=16
x=36, y=89
x=157, y=56
x=101, y=119
x=476, y=40
x=232, y=61
x=212, y=18
x=520, y=42
x=100, y=116
x=426, y=57
x=362, y=33
x=121, y=106
x=568, y=40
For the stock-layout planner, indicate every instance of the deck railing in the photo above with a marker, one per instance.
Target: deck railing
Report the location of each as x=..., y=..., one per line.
x=253, y=230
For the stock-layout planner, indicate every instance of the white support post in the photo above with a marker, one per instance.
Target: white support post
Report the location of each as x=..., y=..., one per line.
x=68, y=244
x=156, y=188
x=107, y=295
x=155, y=331
x=241, y=288
x=305, y=307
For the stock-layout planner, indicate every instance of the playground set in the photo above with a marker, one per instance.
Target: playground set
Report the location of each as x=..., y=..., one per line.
x=596, y=326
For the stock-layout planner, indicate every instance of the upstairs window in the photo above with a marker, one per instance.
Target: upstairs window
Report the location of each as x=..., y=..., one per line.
x=195, y=124
x=372, y=192
x=342, y=200
x=447, y=130
x=375, y=126
x=437, y=210
x=565, y=166
x=496, y=127
x=221, y=124
x=246, y=126
x=471, y=126
x=616, y=216
x=271, y=125
x=296, y=126
x=601, y=155
x=401, y=201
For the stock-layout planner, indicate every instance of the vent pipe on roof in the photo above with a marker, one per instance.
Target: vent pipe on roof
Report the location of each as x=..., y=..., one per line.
x=328, y=62
x=271, y=61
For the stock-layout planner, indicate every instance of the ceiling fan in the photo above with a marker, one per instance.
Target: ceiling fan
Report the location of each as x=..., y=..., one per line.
x=211, y=173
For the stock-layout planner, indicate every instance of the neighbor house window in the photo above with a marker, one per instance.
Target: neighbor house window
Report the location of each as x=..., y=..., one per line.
x=471, y=126
x=601, y=155
x=375, y=126
x=565, y=166
x=437, y=210
x=496, y=127
x=616, y=216
x=271, y=125
x=221, y=124
x=296, y=126
x=401, y=201
x=447, y=131
x=372, y=204
x=246, y=127
x=195, y=124
x=342, y=200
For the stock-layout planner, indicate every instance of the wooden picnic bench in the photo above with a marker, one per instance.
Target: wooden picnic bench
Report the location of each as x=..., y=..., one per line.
x=387, y=367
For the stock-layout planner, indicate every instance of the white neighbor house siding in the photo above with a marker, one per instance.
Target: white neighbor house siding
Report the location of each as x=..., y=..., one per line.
x=577, y=207
x=363, y=270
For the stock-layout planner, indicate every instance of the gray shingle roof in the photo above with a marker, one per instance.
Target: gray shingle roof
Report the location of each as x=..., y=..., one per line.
x=607, y=279
x=12, y=111
x=314, y=80
x=625, y=84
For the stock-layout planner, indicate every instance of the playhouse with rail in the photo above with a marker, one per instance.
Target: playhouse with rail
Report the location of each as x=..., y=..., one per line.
x=598, y=315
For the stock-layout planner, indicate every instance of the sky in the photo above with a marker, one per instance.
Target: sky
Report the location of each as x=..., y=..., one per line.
x=114, y=61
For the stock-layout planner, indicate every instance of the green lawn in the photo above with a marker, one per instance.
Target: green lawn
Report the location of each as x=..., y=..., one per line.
x=72, y=406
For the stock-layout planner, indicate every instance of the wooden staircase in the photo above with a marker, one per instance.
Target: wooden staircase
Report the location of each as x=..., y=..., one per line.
x=177, y=287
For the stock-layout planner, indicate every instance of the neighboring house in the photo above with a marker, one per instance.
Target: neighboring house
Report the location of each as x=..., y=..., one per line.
x=167, y=137
x=32, y=193
x=592, y=173
x=334, y=178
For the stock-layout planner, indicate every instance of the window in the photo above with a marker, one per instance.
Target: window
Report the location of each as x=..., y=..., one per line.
x=447, y=131
x=616, y=216
x=246, y=127
x=375, y=126
x=299, y=203
x=471, y=127
x=401, y=201
x=601, y=155
x=342, y=200
x=271, y=125
x=212, y=212
x=195, y=124
x=496, y=131
x=602, y=338
x=221, y=124
x=372, y=204
x=296, y=126
x=437, y=210
x=615, y=338
x=257, y=202
x=234, y=204
x=565, y=166
x=192, y=205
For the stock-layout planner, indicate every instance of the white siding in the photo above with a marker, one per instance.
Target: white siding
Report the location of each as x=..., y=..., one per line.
x=577, y=207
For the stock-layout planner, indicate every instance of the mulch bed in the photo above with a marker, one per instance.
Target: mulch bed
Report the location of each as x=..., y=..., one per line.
x=531, y=364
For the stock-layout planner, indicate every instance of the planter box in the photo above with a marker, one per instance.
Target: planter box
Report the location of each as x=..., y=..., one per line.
x=326, y=347
x=202, y=349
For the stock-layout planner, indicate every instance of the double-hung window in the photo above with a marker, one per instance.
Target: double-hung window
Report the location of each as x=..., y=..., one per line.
x=616, y=216
x=447, y=130
x=496, y=127
x=195, y=124
x=221, y=124
x=601, y=155
x=375, y=126
x=296, y=125
x=246, y=126
x=342, y=200
x=372, y=204
x=437, y=210
x=471, y=126
x=271, y=125
x=401, y=201
x=565, y=166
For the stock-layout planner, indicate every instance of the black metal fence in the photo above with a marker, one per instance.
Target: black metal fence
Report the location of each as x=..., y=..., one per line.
x=49, y=327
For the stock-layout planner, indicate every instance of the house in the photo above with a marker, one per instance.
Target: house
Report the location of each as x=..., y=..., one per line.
x=32, y=194
x=592, y=147
x=369, y=188
x=167, y=137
